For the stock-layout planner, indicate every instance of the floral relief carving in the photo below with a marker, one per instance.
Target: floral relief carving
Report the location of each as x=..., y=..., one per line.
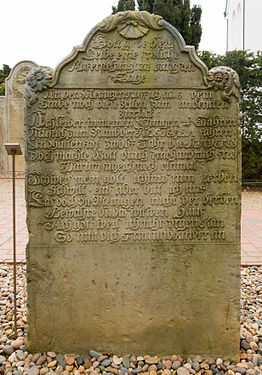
x=22, y=75
x=225, y=79
x=16, y=94
x=37, y=80
x=132, y=24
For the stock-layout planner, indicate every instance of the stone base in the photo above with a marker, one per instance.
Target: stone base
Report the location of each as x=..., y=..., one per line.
x=153, y=299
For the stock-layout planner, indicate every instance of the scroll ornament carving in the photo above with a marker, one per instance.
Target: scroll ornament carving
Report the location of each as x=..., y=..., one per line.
x=38, y=79
x=132, y=24
x=225, y=79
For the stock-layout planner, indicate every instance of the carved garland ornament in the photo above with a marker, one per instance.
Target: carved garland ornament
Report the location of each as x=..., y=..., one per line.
x=38, y=79
x=225, y=79
x=132, y=24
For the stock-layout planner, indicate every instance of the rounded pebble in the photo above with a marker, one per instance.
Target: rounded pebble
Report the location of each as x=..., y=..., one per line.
x=106, y=362
x=8, y=349
x=16, y=344
x=117, y=360
x=168, y=364
x=94, y=354
x=51, y=354
x=196, y=366
x=219, y=361
x=126, y=362
x=175, y=365
x=152, y=368
x=2, y=359
x=32, y=371
x=182, y=371
x=151, y=360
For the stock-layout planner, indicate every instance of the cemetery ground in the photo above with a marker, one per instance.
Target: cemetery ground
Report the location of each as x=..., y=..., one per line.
x=14, y=357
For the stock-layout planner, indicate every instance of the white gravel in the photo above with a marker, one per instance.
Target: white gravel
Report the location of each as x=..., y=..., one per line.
x=14, y=358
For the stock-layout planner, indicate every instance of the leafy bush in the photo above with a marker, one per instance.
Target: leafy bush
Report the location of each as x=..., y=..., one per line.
x=4, y=73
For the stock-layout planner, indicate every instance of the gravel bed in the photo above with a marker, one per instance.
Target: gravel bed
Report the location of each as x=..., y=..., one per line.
x=15, y=359
x=251, y=200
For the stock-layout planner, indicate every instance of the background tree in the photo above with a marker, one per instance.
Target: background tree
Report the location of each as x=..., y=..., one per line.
x=124, y=5
x=249, y=68
x=177, y=12
x=147, y=5
x=195, y=28
x=4, y=73
x=2, y=89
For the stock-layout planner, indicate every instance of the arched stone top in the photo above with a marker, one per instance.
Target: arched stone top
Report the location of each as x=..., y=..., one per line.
x=131, y=25
x=129, y=50
x=14, y=83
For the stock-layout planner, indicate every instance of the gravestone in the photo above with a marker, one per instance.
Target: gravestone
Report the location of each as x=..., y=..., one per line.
x=133, y=196
x=12, y=116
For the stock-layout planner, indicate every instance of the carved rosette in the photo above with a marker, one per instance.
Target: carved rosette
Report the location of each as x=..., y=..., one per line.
x=38, y=79
x=132, y=24
x=225, y=79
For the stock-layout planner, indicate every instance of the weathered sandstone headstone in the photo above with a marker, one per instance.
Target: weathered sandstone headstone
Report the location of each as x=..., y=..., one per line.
x=12, y=115
x=133, y=196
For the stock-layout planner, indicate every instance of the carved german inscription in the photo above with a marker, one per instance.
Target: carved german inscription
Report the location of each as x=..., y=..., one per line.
x=130, y=165
x=132, y=145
